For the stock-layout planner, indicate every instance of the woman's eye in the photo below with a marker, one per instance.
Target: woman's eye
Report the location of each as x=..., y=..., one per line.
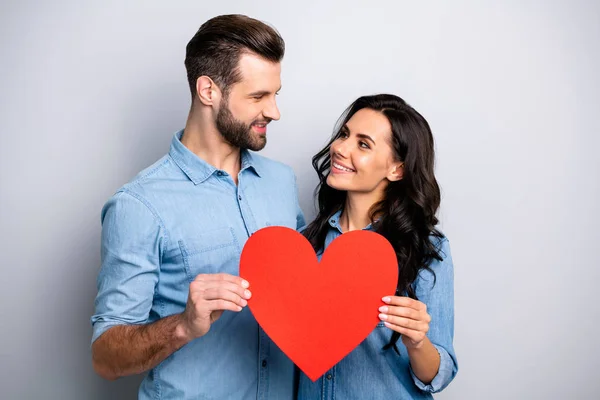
x=364, y=145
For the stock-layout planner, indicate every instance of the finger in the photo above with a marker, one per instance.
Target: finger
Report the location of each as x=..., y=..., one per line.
x=406, y=312
x=232, y=287
x=204, y=286
x=405, y=322
x=223, y=278
x=223, y=293
x=222, y=305
x=409, y=333
x=215, y=315
x=404, y=302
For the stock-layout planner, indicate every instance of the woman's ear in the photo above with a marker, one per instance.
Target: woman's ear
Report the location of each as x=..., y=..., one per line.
x=396, y=172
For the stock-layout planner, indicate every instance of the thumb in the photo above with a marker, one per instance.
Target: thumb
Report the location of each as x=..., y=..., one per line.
x=215, y=315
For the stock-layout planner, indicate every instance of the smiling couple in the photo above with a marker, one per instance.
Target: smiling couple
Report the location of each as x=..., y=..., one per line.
x=170, y=300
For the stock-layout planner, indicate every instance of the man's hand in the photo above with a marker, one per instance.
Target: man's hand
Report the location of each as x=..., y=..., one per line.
x=209, y=296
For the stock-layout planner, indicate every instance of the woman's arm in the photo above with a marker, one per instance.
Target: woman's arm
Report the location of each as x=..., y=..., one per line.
x=428, y=325
x=410, y=318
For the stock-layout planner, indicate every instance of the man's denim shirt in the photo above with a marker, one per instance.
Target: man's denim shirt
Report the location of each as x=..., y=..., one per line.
x=179, y=218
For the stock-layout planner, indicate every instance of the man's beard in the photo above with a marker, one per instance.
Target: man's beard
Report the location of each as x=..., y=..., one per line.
x=236, y=132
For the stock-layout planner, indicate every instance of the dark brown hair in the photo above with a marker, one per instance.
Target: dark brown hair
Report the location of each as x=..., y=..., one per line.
x=216, y=48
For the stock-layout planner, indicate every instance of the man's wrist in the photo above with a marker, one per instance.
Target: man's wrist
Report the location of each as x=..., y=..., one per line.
x=182, y=332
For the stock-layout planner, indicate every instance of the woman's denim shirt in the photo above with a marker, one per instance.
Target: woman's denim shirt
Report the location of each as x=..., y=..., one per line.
x=369, y=371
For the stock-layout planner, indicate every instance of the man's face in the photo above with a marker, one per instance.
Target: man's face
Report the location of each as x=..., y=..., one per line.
x=250, y=104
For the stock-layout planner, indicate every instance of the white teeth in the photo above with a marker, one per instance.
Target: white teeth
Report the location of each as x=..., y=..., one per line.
x=338, y=166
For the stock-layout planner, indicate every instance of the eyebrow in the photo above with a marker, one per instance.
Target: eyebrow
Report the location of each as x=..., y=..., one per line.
x=262, y=92
x=360, y=135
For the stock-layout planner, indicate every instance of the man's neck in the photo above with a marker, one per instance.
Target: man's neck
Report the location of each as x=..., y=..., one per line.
x=204, y=140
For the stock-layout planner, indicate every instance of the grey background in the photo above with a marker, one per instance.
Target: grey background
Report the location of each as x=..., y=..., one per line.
x=91, y=93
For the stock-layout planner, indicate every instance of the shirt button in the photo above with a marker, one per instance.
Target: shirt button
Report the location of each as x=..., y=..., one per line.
x=264, y=363
x=219, y=173
x=240, y=198
x=329, y=377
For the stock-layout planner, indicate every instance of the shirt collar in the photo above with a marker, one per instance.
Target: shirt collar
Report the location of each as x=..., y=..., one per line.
x=250, y=161
x=198, y=170
x=334, y=222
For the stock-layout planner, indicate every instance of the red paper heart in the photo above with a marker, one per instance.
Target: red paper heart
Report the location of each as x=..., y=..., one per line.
x=315, y=312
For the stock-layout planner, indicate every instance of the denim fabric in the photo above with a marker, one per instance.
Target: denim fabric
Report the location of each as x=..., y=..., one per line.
x=179, y=218
x=369, y=372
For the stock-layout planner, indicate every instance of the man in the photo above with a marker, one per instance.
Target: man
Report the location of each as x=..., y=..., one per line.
x=169, y=298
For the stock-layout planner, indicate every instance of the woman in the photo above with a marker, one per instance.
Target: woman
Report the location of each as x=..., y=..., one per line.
x=377, y=173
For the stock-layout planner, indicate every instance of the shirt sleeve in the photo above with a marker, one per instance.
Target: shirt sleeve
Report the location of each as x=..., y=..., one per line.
x=131, y=243
x=439, y=298
x=300, y=221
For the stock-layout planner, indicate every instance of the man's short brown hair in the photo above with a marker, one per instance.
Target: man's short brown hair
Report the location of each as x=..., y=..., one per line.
x=216, y=48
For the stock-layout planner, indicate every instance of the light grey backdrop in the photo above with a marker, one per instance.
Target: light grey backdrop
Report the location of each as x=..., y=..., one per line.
x=91, y=93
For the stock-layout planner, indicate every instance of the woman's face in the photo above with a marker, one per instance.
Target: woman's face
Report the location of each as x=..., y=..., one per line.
x=362, y=158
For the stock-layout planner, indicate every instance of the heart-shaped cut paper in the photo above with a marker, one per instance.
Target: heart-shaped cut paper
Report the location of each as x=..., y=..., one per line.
x=317, y=312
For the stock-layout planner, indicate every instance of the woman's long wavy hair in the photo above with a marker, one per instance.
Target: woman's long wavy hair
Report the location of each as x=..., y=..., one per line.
x=406, y=216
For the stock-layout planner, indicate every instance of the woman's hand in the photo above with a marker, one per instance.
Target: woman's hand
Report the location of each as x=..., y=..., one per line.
x=408, y=317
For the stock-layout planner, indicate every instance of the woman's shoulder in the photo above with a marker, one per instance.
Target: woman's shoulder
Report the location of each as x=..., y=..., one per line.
x=438, y=268
x=441, y=244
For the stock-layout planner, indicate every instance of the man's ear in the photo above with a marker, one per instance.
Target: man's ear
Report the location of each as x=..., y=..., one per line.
x=396, y=172
x=207, y=91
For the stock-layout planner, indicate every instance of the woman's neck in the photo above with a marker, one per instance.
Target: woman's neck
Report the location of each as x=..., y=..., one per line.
x=356, y=213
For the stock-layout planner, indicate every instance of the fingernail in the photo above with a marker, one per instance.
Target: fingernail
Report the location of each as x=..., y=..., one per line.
x=244, y=303
x=245, y=284
x=383, y=309
x=247, y=294
x=387, y=299
x=382, y=317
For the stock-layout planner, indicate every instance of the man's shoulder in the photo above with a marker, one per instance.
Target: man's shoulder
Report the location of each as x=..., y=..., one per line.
x=144, y=191
x=271, y=168
x=150, y=179
x=157, y=172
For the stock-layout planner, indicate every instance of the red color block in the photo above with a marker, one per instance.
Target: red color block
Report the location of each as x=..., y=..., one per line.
x=315, y=312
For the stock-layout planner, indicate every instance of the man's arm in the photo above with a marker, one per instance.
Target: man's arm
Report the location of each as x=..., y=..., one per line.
x=124, y=343
x=128, y=350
